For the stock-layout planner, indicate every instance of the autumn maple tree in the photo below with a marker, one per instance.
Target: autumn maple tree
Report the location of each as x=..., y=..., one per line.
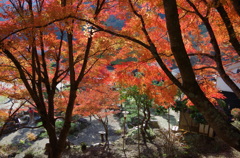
x=148, y=86
x=98, y=100
x=96, y=97
x=46, y=49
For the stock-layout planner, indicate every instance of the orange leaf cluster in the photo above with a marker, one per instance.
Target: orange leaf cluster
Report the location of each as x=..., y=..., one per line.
x=143, y=75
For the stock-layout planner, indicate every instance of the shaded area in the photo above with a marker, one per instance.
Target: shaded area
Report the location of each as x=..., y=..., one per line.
x=173, y=119
x=197, y=145
x=90, y=135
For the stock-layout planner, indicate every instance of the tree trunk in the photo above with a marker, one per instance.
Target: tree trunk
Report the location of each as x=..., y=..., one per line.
x=190, y=87
x=143, y=132
x=53, y=141
x=147, y=122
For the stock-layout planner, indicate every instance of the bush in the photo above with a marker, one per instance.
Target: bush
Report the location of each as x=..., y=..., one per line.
x=151, y=133
x=132, y=119
x=59, y=125
x=161, y=110
x=31, y=136
x=73, y=129
x=83, y=146
x=118, y=131
x=43, y=134
x=236, y=113
x=133, y=133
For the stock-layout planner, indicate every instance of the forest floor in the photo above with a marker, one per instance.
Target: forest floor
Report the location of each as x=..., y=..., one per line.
x=182, y=144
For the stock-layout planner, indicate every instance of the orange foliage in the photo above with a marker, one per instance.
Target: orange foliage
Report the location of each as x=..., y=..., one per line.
x=143, y=76
x=101, y=100
x=3, y=115
x=96, y=95
x=45, y=29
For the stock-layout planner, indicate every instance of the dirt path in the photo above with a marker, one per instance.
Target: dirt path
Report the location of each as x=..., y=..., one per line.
x=90, y=134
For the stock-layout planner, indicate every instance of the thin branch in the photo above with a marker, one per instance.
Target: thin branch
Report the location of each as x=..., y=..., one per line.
x=85, y=61
x=202, y=54
x=205, y=67
x=186, y=10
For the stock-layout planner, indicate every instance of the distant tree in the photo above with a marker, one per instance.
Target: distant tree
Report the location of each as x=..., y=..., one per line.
x=99, y=99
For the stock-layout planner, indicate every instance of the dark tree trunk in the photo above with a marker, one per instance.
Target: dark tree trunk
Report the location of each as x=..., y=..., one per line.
x=147, y=122
x=143, y=132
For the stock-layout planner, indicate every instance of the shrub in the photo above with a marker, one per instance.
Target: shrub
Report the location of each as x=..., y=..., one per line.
x=132, y=119
x=59, y=125
x=73, y=128
x=236, y=124
x=39, y=123
x=151, y=133
x=133, y=133
x=236, y=113
x=31, y=136
x=118, y=131
x=83, y=146
x=42, y=134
